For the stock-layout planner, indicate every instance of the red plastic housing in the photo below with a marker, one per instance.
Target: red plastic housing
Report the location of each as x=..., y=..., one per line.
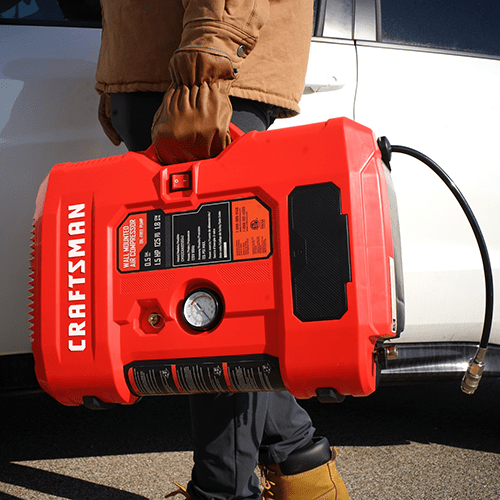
x=290, y=230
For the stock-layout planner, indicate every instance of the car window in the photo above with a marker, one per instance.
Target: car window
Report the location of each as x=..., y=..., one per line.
x=51, y=12
x=333, y=18
x=462, y=25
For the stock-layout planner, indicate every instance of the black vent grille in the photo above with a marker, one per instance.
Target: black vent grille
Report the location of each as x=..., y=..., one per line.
x=319, y=252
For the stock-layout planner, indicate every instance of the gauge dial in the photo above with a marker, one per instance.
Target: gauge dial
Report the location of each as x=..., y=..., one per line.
x=202, y=309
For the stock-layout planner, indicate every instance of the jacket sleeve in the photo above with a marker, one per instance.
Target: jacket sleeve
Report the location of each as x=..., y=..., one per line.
x=229, y=26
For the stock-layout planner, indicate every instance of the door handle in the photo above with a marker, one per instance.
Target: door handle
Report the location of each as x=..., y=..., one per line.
x=326, y=84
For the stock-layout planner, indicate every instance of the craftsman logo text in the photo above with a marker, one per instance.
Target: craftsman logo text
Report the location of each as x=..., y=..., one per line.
x=76, y=278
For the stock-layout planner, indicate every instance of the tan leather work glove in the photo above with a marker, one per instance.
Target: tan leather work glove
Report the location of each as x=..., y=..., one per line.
x=193, y=121
x=217, y=36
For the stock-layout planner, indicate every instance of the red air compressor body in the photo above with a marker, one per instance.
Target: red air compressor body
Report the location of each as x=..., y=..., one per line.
x=275, y=265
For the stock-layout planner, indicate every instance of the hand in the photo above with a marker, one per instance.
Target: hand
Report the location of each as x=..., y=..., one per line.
x=193, y=121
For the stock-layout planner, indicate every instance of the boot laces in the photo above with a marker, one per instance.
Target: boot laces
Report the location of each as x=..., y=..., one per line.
x=267, y=484
x=180, y=491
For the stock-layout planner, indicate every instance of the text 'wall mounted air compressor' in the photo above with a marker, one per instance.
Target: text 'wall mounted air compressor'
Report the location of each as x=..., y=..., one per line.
x=274, y=266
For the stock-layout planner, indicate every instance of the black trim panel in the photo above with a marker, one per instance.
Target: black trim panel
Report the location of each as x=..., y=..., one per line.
x=436, y=361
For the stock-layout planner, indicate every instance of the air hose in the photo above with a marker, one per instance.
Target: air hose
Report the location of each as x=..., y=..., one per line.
x=476, y=364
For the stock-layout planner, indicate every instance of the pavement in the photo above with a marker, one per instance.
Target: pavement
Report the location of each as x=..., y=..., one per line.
x=414, y=442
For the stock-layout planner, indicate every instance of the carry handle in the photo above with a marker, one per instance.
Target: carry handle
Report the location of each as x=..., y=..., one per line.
x=235, y=132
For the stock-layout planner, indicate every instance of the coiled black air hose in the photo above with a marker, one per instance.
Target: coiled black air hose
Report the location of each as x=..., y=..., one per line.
x=475, y=368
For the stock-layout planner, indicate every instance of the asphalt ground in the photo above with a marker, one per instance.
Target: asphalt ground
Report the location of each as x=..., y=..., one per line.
x=414, y=442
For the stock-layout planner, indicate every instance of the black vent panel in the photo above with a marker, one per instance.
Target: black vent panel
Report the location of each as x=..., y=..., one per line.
x=319, y=252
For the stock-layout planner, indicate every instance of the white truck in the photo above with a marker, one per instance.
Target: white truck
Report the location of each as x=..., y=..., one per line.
x=424, y=74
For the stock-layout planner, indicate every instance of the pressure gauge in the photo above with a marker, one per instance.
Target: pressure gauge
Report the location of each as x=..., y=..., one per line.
x=202, y=309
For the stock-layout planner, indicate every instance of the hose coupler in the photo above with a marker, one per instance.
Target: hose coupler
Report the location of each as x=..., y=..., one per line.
x=474, y=372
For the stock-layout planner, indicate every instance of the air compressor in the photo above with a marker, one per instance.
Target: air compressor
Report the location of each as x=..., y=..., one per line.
x=275, y=265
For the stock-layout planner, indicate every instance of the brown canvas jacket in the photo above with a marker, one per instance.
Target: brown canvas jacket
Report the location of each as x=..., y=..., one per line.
x=267, y=41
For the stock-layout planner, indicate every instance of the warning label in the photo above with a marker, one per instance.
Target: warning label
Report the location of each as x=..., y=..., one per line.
x=251, y=229
x=202, y=237
x=215, y=233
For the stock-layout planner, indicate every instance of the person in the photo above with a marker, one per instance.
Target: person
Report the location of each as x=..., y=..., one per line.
x=176, y=74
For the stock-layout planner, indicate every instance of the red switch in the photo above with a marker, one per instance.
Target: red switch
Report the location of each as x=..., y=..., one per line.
x=180, y=182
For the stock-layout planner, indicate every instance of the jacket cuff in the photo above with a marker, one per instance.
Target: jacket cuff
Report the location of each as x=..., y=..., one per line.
x=218, y=37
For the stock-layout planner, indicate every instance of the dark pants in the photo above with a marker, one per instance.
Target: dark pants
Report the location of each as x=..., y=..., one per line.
x=230, y=431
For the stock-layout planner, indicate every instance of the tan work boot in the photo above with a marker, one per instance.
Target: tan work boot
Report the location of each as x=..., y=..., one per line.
x=301, y=478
